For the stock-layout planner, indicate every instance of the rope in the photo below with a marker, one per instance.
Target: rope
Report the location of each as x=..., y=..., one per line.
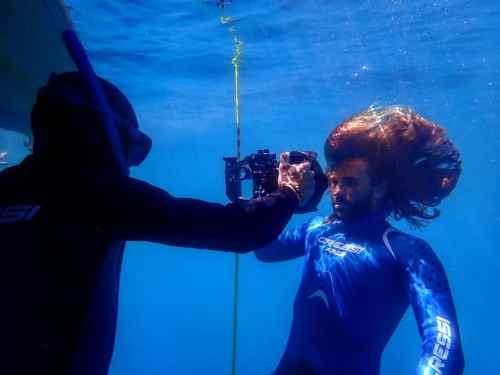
x=236, y=62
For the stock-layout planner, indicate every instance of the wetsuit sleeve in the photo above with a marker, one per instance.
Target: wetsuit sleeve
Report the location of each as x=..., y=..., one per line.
x=137, y=211
x=432, y=304
x=289, y=245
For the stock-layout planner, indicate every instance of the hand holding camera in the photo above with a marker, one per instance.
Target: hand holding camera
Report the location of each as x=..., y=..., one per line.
x=297, y=175
x=299, y=170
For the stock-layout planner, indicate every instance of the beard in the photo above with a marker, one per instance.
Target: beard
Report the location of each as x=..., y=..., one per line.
x=353, y=210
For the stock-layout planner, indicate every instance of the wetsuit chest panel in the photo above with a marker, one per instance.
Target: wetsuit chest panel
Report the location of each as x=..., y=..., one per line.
x=350, y=298
x=347, y=268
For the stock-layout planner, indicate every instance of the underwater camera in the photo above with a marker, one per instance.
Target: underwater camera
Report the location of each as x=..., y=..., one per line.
x=262, y=169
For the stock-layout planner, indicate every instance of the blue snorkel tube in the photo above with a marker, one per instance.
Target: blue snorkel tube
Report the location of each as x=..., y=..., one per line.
x=94, y=88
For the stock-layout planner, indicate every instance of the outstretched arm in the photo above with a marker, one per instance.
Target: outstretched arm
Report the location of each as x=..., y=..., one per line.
x=128, y=209
x=145, y=213
x=289, y=245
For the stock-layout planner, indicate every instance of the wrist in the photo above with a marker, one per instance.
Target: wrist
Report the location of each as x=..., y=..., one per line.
x=295, y=188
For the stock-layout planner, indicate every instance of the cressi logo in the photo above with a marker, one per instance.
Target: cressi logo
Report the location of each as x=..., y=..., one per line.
x=339, y=248
x=441, y=348
x=12, y=214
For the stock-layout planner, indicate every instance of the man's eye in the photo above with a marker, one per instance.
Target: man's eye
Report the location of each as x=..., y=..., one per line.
x=333, y=184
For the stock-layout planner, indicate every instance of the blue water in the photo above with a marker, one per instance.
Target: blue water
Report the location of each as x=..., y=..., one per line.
x=306, y=66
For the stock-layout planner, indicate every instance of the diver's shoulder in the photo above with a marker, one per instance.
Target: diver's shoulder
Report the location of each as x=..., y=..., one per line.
x=19, y=173
x=320, y=220
x=404, y=243
x=317, y=222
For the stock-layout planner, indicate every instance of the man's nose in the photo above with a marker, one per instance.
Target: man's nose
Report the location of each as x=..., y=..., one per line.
x=337, y=190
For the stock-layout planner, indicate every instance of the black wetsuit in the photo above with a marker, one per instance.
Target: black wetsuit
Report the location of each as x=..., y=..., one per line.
x=62, y=234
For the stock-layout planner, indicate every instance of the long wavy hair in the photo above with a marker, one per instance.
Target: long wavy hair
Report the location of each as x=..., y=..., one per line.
x=412, y=154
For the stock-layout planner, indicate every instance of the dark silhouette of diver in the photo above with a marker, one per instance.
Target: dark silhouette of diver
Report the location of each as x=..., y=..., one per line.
x=66, y=211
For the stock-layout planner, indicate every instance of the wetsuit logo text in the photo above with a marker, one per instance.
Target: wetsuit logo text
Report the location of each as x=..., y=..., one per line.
x=339, y=248
x=442, y=346
x=12, y=214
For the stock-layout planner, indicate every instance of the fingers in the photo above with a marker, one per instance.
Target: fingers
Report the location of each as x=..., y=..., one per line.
x=299, y=177
x=285, y=158
x=287, y=172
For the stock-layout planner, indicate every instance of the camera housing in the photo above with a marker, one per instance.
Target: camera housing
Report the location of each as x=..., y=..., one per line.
x=263, y=169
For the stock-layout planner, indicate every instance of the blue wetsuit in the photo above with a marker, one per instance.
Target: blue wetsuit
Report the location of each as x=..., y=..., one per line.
x=62, y=234
x=357, y=283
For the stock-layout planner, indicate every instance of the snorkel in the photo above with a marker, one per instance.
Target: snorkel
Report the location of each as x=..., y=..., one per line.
x=95, y=89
